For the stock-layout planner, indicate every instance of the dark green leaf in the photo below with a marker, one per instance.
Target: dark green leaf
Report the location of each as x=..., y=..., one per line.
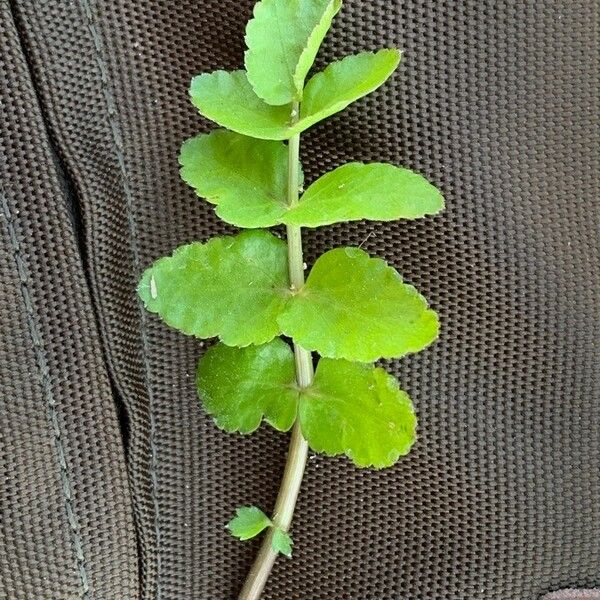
x=246, y=178
x=248, y=522
x=230, y=287
x=241, y=386
x=376, y=191
x=283, y=39
x=356, y=307
x=357, y=410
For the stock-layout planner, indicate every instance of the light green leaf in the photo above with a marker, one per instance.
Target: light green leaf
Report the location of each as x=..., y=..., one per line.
x=357, y=410
x=307, y=58
x=232, y=287
x=248, y=522
x=241, y=386
x=357, y=307
x=229, y=100
x=376, y=191
x=246, y=178
x=283, y=39
x=343, y=82
x=282, y=542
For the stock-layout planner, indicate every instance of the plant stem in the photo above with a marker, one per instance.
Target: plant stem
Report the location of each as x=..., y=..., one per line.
x=298, y=450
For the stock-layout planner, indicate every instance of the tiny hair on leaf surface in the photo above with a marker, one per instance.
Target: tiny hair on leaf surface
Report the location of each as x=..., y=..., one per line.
x=248, y=522
x=246, y=178
x=241, y=386
x=357, y=410
x=229, y=100
x=358, y=308
x=290, y=34
x=231, y=287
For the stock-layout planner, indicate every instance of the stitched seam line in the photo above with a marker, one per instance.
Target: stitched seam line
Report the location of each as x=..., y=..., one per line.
x=42, y=364
x=117, y=138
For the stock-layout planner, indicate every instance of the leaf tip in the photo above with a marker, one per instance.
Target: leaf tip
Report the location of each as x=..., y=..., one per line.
x=394, y=55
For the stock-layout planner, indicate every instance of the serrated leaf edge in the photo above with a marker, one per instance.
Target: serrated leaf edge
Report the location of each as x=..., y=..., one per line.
x=329, y=13
x=326, y=352
x=286, y=536
x=268, y=523
x=394, y=454
x=283, y=130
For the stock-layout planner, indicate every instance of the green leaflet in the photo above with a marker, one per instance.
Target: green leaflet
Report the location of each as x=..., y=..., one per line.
x=241, y=386
x=246, y=178
x=229, y=100
x=230, y=287
x=376, y=191
x=357, y=307
x=248, y=522
x=309, y=52
x=282, y=542
x=345, y=81
x=351, y=408
x=357, y=410
x=237, y=288
x=283, y=39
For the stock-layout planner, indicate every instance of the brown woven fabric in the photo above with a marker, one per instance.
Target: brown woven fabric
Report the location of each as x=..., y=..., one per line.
x=497, y=102
x=573, y=595
x=66, y=524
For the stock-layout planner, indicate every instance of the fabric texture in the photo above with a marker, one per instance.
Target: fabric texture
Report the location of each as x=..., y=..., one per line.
x=66, y=523
x=574, y=595
x=497, y=102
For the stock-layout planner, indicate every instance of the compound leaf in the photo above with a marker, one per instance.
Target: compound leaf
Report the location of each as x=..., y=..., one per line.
x=357, y=307
x=357, y=410
x=241, y=386
x=343, y=82
x=282, y=542
x=283, y=39
x=246, y=178
x=376, y=191
x=232, y=287
x=248, y=522
x=227, y=98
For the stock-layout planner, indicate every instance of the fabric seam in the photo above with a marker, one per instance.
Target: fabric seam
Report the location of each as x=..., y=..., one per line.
x=42, y=364
x=111, y=109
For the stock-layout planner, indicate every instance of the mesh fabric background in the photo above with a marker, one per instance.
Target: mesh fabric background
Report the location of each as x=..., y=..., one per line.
x=497, y=102
x=66, y=524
